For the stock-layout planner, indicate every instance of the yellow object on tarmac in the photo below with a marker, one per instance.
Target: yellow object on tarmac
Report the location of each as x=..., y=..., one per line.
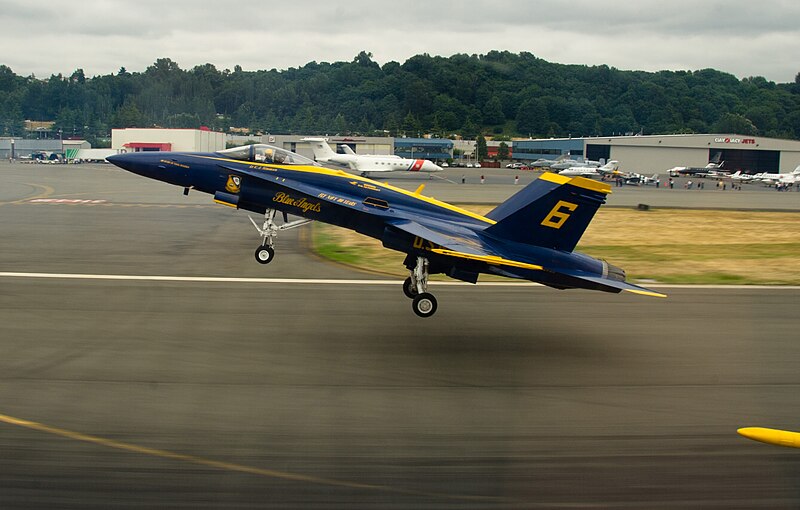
x=772, y=436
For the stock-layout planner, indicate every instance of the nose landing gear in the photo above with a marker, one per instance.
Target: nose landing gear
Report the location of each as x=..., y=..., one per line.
x=265, y=253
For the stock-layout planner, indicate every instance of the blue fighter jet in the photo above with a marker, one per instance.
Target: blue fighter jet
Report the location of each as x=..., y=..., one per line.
x=531, y=236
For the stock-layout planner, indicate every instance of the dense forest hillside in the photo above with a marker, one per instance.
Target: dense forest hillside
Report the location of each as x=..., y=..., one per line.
x=499, y=93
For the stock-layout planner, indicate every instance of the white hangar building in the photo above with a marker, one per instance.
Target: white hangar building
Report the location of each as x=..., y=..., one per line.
x=158, y=139
x=656, y=153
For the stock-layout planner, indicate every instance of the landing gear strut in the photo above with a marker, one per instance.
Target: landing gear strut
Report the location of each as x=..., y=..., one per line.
x=269, y=231
x=416, y=287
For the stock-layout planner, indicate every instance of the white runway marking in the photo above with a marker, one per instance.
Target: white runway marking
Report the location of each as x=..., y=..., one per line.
x=222, y=279
x=323, y=281
x=70, y=201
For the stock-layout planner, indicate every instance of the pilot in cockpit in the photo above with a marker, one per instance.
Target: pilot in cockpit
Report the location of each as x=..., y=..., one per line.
x=265, y=157
x=272, y=156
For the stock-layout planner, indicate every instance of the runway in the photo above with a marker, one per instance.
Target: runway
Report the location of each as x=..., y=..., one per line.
x=275, y=394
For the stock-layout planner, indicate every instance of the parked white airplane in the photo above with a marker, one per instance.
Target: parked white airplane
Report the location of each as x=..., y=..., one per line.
x=540, y=163
x=711, y=169
x=367, y=164
x=590, y=171
x=563, y=164
x=636, y=179
x=785, y=178
x=739, y=176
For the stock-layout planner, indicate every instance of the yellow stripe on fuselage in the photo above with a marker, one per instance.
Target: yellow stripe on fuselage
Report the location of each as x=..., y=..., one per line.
x=344, y=175
x=226, y=203
x=489, y=259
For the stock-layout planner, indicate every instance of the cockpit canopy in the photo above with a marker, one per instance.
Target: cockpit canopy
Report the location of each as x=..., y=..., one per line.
x=263, y=153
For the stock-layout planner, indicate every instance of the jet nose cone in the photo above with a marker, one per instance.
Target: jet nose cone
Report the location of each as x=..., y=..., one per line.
x=431, y=167
x=136, y=162
x=117, y=159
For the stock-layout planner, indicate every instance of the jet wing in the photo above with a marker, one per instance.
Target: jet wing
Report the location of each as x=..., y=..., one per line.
x=458, y=243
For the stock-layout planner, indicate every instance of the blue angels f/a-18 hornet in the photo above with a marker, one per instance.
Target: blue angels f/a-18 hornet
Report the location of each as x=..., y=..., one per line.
x=531, y=236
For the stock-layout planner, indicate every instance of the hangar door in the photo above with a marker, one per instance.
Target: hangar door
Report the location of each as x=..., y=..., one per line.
x=750, y=161
x=598, y=152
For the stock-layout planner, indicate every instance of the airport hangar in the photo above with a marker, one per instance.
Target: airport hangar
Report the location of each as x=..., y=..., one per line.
x=20, y=147
x=657, y=153
x=159, y=139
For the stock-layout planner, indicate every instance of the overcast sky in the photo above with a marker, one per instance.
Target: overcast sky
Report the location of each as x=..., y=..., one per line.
x=745, y=38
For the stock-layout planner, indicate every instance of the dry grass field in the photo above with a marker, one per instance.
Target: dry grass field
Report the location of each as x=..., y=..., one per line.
x=664, y=245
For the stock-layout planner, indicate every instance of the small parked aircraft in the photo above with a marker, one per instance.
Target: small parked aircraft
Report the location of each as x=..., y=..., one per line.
x=712, y=169
x=779, y=178
x=367, y=164
x=591, y=171
x=530, y=236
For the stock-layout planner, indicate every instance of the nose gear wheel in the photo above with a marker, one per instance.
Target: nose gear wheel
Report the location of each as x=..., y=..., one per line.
x=269, y=231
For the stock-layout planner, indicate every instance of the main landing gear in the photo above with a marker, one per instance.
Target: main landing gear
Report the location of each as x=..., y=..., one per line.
x=266, y=252
x=415, y=287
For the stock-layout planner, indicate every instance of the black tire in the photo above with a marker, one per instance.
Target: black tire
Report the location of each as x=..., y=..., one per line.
x=408, y=289
x=424, y=304
x=264, y=254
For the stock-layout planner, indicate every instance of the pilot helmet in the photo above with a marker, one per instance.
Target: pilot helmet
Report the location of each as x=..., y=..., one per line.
x=268, y=155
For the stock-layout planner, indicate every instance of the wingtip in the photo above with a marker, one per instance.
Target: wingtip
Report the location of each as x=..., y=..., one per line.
x=771, y=436
x=644, y=292
x=749, y=432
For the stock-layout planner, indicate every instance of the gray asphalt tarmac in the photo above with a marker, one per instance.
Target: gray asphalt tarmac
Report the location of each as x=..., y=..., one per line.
x=259, y=394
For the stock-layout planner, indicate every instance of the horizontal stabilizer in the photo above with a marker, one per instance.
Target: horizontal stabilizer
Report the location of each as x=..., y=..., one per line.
x=609, y=285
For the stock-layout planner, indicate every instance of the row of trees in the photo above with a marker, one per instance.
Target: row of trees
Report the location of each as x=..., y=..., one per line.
x=499, y=93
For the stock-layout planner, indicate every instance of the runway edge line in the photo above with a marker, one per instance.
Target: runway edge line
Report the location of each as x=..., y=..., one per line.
x=328, y=281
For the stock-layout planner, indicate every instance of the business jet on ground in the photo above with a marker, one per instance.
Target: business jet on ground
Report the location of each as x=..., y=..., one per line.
x=637, y=179
x=590, y=171
x=368, y=164
x=770, y=179
x=739, y=176
x=712, y=169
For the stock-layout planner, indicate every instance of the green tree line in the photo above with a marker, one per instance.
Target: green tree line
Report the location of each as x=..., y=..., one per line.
x=500, y=93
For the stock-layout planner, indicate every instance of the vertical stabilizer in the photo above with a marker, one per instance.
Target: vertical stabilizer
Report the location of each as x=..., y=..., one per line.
x=322, y=151
x=553, y=211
